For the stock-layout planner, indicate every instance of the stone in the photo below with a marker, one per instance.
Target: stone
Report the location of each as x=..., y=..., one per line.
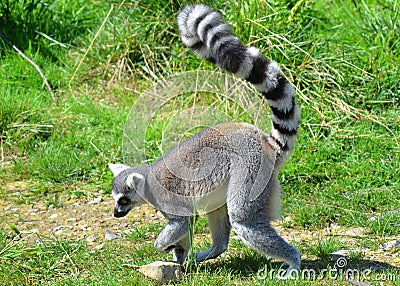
x=356, y=231
x=124, y=224
x=391, y=244
x=91, y=238
x=163, y=271
x=95, y=201
x=340, y=253
x=111, y=236
x=357, y=283
x=59, y=232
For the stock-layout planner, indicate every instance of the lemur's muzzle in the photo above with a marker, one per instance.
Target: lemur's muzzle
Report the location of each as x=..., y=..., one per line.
x=119, y=214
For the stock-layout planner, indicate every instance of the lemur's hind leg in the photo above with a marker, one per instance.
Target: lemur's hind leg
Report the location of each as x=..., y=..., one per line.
x=218, y=222
x=250, y=219
x=263, y=238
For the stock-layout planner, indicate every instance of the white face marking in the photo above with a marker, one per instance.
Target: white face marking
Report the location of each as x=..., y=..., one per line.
x=117, y=196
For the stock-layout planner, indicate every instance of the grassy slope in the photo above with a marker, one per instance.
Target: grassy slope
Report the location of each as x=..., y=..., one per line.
x=343, y=59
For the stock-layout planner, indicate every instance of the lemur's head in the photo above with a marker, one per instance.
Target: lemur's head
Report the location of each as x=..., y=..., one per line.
x=126, y=188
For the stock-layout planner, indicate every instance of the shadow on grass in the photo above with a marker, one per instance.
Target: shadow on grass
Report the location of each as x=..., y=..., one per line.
x=259, y=267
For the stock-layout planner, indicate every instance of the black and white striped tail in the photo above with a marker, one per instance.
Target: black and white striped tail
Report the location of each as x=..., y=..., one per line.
x=204, y=31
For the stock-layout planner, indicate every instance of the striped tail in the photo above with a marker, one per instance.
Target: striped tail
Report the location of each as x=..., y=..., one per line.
x=205, y=32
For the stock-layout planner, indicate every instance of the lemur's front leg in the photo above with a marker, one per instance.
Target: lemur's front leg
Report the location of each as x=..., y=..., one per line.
x=180, y=252
x=174, y=237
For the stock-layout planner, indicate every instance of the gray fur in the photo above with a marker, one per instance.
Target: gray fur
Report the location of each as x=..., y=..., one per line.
x=230, y=171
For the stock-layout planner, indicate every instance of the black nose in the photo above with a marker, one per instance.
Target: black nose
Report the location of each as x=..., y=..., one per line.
x=119, y=214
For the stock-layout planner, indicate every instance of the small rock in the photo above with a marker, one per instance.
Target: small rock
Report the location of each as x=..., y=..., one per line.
x=111, y=236
x=95, y=201
x=357, y=283
x=163, y=271
x=391, y=244
x=334, y=225
x=356, y=231
x=59, y=232
x=63, y=227
x=91, y=238
x=124, y=224
x=53, y=216
x=340, y=253
x=72, y=219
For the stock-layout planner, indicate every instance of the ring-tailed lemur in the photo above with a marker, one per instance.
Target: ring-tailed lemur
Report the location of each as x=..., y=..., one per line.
x=230, y=170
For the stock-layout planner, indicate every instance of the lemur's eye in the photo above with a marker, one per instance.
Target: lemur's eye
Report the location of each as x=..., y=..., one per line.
x=124, y=201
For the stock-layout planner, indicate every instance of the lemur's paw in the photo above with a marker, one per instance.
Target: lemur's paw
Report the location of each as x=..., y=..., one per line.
x=179, y=254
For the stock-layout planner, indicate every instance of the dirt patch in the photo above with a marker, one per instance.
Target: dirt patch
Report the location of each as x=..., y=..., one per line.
x=85, y=218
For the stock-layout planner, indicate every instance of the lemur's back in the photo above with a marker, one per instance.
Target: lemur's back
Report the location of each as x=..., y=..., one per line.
x=204, y=161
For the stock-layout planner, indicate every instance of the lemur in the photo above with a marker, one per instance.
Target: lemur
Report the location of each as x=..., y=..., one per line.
x=230, y=170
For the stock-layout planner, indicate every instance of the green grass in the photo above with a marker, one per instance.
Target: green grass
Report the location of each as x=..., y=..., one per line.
x=343, y=56
x=324, y=247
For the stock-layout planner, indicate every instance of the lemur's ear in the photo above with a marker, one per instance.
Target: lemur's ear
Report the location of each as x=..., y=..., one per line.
x=135, y=181
x=117, y=168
